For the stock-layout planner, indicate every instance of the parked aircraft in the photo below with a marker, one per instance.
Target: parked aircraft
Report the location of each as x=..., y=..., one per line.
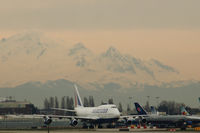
x=178, y=121
x=194, y=118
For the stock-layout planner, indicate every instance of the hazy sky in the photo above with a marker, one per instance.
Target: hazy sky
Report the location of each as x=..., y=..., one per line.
x=168, y=30
x=99, y=14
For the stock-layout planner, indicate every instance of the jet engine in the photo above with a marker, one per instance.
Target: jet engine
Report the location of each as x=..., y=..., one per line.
x=144, y=121
x=47, y=120
x=73, y=122
x=141, y=120
x=130, y=121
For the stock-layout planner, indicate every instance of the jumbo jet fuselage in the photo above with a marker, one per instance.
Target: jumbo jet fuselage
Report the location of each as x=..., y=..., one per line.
x=108, y=111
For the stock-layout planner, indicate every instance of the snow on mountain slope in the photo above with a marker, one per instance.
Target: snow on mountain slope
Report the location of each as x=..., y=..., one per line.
x=32, y=56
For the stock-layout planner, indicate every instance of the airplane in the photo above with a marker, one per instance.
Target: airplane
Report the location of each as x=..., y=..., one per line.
x=195, y=118
x=136, y=118
x=165, y=121
x=108, y=113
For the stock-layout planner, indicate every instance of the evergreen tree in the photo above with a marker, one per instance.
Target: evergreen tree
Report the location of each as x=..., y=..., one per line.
x=91, y=101
x=46, y=104
x=63, y=102
x=71, y=103
x=68, y=102
x=110, y=101
x=56, y=102
x=51, y=102
x=85, y=102
x=128, y=108
x=147, y=107
x=120, y=107
x=102, y=103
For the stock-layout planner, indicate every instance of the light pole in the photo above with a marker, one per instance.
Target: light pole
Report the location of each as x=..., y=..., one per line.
x=130, y=100
x=148, y=97
x=147, y=104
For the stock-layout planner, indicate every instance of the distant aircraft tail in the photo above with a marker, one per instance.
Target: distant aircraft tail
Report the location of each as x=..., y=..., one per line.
x=78, y=102
x=184, y=111
x=153, y=110
x=139, y=109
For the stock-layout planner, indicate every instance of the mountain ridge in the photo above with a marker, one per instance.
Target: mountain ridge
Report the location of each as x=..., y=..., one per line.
x=44, y=59
x=36, y=91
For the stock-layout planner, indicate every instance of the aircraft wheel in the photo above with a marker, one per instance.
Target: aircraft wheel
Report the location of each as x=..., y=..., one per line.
x=85, y=125
x=91, y=126
x=100, y=126
x=183, y=128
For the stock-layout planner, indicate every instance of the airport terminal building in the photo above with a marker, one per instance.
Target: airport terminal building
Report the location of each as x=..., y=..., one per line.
x=16, y=107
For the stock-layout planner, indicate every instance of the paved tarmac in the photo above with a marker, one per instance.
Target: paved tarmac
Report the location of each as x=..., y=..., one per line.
x=90, y=131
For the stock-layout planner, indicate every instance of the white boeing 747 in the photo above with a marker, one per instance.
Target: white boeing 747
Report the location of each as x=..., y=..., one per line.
x=94, y=115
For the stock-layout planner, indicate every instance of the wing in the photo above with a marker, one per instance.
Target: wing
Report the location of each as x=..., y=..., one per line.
x=73, y=117
x=67, y=110
x=86, y=118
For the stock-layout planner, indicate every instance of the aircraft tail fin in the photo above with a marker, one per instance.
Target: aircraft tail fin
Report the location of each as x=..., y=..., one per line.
x=78, y=102
x=184, y=111
x=153, y=110
x=139, y=109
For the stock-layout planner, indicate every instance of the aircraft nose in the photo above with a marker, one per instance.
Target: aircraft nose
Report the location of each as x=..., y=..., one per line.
x=118, y=113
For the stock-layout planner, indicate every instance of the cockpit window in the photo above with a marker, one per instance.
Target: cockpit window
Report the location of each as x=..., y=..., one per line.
x=113, y=107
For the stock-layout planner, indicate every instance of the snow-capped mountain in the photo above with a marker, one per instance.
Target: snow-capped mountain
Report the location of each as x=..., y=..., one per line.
x=32, y=56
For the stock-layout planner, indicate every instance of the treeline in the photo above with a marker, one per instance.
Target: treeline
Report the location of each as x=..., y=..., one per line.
x=66, y=102
x=88, y=102
x=172, y=108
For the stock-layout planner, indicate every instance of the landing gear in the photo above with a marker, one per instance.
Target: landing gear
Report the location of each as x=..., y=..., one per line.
x=111, y=126
x=100, y=126
x=91, y=126
x=183, y=128
x=85, y=126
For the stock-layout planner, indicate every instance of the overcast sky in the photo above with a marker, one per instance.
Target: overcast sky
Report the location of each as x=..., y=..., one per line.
x=168, y=30
x=99, y=14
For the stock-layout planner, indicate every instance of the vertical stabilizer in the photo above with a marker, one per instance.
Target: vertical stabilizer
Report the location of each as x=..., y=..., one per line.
x=78, y=102
x=153, y=110
x=139, y=109
x=184, y=111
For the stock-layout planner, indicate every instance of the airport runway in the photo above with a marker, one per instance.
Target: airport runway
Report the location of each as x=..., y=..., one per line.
x=90, y=131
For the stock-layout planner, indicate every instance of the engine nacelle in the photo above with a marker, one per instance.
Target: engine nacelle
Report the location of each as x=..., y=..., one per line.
x=73, y=122
x=47, y=120
x=144, y=121
x=130, y=120
x=141, y=120
x=189, y=122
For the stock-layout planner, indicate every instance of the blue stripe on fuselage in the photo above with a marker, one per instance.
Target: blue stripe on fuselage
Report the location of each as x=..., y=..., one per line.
x=79, y=103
